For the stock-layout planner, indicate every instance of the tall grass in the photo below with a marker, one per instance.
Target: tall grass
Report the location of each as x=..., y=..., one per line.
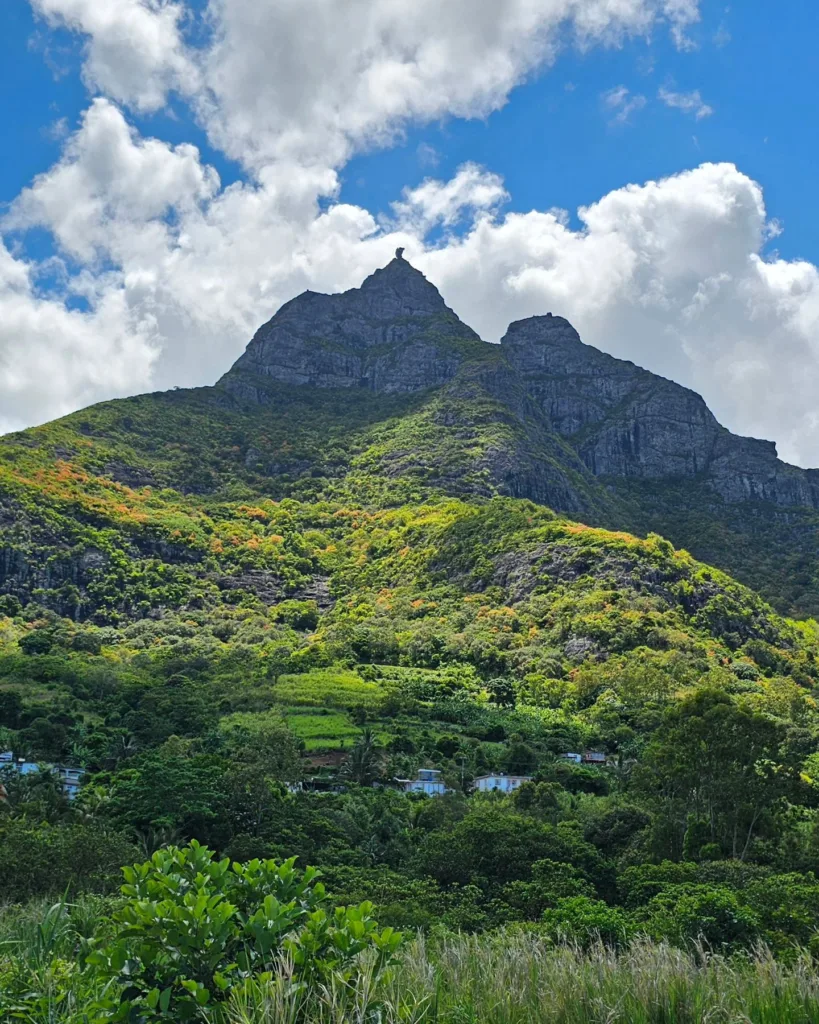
x=517, y=978
x=508, y=977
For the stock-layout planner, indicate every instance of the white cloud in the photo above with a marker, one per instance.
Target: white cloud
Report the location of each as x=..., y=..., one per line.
x=109, y=178
x=135, y=50
x=309, y=77
x=313, y=79
x=473, y=190
x=427, y=155
x=682, y=14
x=620, y=103
x=53, y=359
x=687, y=102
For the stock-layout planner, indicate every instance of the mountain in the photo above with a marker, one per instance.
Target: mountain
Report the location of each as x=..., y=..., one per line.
x=395, y=334
x=381, y=397
x=380, y=544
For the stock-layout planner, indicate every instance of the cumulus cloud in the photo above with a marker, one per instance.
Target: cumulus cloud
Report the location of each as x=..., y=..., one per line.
x=135, y=51
x=472, y=190
x=687, y=102
x=108, y=177
x=286, y=79
x=311, y=80
x=54, y=359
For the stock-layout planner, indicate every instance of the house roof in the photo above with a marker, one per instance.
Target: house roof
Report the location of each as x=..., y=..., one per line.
x=499, y=775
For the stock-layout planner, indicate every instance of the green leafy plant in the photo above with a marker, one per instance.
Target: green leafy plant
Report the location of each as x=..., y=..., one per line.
x=193, y=927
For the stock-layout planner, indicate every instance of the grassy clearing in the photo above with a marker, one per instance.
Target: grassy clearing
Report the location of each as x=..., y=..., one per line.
x=328, y=688
x=515, y=978
x=330, y=730
x=322, y=731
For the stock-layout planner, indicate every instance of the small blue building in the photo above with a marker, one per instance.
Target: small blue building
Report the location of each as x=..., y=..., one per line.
x=429, y=781
x=71, y=778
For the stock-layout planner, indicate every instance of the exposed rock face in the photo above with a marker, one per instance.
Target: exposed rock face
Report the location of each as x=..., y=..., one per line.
x=622, y=420
x=581, y=410
x=626, y=422
x=393, y=334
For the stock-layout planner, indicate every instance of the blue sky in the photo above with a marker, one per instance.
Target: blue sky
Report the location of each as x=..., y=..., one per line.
x=126, y=264
x=553, y=142
x=555, y=145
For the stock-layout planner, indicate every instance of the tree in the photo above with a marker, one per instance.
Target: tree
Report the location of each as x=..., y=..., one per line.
x=41, y=859
x=684, y=913
x=363, y=766
x=184, y=794
x=720, y=763
x=540, y=799
x=584, y=920
x=263, y=743
x=502, y=692
x=11, y=708
x=37, y=796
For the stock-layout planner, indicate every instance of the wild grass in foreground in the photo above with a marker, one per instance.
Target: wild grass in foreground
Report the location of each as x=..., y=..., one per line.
x=517, y=978
x=511, y=976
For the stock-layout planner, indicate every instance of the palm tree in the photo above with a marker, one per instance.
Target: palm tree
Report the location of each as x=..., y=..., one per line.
x=363, y=766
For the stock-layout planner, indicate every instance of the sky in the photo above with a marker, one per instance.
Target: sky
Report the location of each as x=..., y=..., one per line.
x=173, y=171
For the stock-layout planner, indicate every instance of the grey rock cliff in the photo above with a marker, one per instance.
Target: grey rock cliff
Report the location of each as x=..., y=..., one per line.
x=624, y=421
x=595, y=416
x=393, y=334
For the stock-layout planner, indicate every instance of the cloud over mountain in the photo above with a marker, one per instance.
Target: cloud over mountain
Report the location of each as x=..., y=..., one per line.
x=160, y=274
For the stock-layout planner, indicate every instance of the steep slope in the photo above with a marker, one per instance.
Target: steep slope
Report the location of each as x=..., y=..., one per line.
x=381, y=397
x=626, y=422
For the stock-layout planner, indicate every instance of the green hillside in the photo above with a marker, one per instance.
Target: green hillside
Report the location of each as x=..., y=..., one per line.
x=246, y=622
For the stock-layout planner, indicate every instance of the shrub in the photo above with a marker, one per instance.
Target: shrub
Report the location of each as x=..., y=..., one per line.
x=195, y=928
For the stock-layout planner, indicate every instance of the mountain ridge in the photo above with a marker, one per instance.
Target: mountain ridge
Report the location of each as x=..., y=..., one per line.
x=381, y=397
x=396, y=334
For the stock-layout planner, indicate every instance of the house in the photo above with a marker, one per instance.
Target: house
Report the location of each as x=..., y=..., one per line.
x=429, y=781
x=577, y=758
x=498, y=783
x=70, y=778
x=594, y=757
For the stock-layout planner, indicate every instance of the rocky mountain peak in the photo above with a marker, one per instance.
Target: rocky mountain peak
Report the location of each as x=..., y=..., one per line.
x=547, y=328
x=400, y=289
x=394, y=291
x=394, y=333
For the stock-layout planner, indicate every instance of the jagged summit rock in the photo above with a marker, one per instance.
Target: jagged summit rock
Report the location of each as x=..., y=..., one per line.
x=398, y=289
x=393, y=334
x=626, y=422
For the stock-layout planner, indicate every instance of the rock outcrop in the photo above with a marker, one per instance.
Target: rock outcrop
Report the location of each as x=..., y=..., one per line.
x=624, y=421
x=597, y=415
x=393, y=334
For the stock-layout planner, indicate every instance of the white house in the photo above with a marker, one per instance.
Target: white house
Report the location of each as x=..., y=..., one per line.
x=429, y=781
x=499, y=783
x=577, y=758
